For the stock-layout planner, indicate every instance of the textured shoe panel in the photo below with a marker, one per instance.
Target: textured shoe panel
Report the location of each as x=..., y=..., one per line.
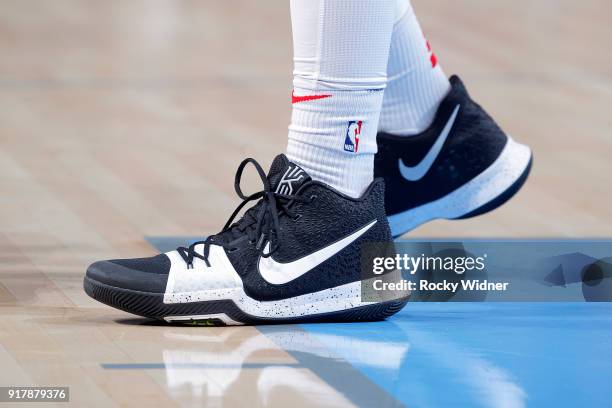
x=328, y=218
x=476, y=139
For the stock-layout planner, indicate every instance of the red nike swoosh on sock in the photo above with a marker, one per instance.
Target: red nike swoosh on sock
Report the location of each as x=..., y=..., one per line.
x=298, y=99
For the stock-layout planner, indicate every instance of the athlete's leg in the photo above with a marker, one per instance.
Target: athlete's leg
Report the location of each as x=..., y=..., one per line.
x=416, y=83
x=341, y=49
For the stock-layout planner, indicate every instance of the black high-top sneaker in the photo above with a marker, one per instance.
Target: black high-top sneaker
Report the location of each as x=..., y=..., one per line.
x=296, y=255
x=463, y=165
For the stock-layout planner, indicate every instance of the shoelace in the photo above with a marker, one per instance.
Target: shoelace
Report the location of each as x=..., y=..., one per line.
x=260, y=223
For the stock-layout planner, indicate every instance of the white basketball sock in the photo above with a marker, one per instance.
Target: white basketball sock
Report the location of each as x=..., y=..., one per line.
x=416, y=83
x=341, y=49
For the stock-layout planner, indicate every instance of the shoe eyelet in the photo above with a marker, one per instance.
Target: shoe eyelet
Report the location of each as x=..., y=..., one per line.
x=297, y=217
x=232, y=250
x=313, y=197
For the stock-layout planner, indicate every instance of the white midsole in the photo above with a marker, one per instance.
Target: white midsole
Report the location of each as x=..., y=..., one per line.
x=334, y=299
x=489, y=184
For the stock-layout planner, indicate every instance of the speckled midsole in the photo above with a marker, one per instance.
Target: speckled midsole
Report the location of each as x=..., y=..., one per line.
x=343, y=297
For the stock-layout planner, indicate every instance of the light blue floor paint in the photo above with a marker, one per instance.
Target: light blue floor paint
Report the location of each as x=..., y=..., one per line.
x=484, y=354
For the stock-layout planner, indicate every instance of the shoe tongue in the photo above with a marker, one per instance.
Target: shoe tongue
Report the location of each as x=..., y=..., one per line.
x=286, y=177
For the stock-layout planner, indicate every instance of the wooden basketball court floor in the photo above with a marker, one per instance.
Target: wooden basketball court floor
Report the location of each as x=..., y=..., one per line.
x=120, y=120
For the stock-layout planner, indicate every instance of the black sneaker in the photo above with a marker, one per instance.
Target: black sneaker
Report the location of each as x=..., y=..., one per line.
x=294, y=256
x=462, y=166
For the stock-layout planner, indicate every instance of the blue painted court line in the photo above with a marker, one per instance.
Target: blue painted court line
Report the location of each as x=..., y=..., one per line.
x=484, y=354
x=162, y=366
x=342, y=376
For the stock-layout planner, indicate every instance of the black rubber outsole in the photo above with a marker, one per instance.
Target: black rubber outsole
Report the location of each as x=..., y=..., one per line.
x=151, y=305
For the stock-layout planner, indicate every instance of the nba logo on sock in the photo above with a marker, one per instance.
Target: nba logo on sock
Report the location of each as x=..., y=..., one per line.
x=351, y=142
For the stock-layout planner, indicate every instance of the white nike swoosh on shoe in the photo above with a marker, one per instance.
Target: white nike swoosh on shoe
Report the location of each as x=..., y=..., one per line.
x=417, y=172
x=278, y=273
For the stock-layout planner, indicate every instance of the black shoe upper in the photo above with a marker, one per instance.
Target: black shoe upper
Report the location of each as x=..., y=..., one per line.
x=473, y=144
x=309, y=215
x=328, y=217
